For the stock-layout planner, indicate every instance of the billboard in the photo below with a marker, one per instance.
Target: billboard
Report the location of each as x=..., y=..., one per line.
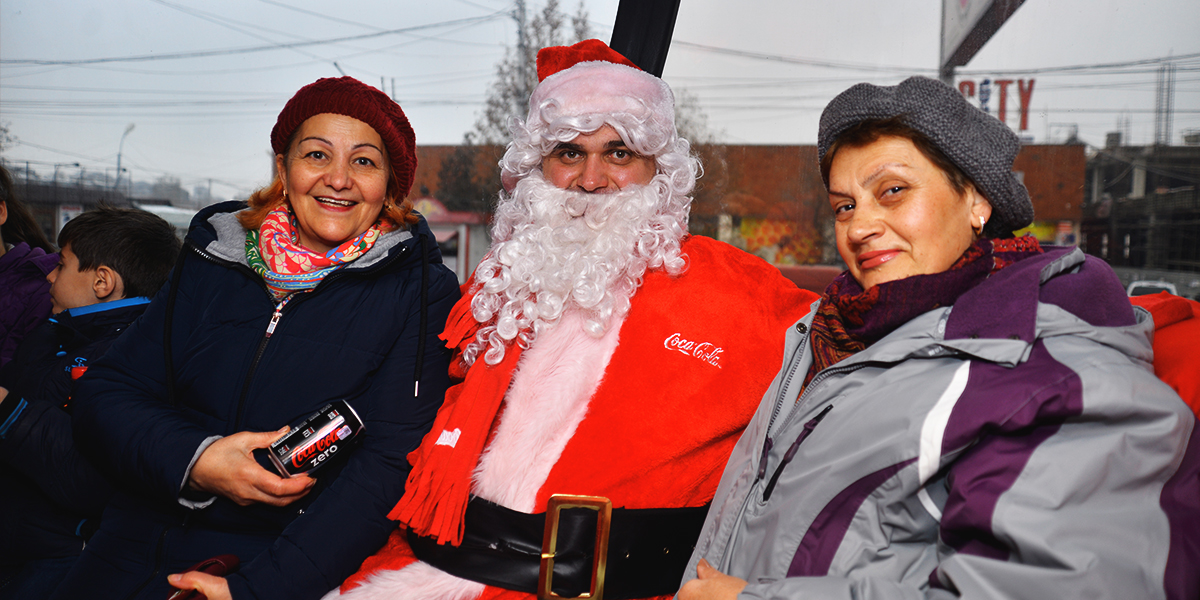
x=967, y=25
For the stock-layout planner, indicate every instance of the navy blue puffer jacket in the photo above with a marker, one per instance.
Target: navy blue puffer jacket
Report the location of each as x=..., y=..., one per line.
x=354, y=337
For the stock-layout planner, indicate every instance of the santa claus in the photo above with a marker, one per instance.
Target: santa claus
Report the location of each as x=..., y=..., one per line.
x=609, y=362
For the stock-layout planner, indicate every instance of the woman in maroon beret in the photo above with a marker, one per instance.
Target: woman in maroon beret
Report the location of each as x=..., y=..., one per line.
x=324, y=287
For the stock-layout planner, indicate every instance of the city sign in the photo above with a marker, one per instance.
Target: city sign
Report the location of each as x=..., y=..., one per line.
x=983, y=90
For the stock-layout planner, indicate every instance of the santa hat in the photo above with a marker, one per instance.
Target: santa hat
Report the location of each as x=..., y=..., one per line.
x=553, y=59
x=590, y=78
x=584, y=87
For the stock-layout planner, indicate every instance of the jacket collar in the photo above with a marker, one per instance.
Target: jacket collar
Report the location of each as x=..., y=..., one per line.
x=104, y=306
x=217, y=231
x=87, y=322
x=1000, y=319
x=1006, y=306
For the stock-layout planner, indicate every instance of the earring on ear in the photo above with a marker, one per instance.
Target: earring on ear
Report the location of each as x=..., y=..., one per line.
x=981, y=224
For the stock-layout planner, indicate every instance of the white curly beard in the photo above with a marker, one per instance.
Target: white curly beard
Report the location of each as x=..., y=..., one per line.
x=556, y=249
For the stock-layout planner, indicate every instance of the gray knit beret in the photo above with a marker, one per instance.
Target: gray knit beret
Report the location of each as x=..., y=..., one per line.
x=978, y=143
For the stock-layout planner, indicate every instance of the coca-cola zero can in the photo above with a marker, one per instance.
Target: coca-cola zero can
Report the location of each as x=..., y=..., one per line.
x=315, y=440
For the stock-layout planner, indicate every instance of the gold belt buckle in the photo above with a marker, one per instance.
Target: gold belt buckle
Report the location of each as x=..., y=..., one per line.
x=603, y=508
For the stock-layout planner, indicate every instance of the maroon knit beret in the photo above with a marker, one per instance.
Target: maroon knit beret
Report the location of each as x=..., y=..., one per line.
x=353, y=98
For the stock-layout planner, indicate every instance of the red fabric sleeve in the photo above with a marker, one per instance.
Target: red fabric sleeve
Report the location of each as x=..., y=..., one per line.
x=1176, y=354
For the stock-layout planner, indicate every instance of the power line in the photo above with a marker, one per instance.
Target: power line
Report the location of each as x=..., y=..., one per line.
x=917, y=70
x=366, y=26
x=248, y=50
x=322, y=16
x=803, y=61
x=1092, y=67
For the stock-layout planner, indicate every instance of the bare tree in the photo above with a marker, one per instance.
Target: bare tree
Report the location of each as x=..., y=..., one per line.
x=579, y=23
x=708, y=199
x=516, y=73
x=6, y=139
x=691, y=121
x=462, y=183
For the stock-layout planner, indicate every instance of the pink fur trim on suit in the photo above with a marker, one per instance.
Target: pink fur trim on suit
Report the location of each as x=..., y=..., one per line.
x=548, y=399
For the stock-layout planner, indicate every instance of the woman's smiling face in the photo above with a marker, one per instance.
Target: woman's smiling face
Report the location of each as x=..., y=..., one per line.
x=897, y=214
x=335, y=174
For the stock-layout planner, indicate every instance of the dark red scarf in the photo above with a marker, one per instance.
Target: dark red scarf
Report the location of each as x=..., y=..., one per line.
x=850, y=319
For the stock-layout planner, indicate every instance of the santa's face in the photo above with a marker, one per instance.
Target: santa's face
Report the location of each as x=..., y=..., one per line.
x=597, y=162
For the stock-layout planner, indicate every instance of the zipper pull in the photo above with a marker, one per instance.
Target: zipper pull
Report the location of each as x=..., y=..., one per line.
x=275, y=319
x=762, y=461
x=791, y=451
x=808, y=427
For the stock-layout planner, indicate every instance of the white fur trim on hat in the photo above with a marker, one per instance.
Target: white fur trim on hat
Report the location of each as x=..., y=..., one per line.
x=588, y=96
x=600, y=87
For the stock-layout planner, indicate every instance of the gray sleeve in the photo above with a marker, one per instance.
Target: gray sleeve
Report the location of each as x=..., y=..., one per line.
x=187, y=475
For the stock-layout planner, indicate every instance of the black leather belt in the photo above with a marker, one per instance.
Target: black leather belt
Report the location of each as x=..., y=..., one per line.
x=647, y=549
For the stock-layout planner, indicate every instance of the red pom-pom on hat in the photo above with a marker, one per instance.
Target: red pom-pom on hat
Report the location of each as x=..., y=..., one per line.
x=553, y=59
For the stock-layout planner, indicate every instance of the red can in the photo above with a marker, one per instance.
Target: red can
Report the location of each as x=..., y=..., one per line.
x=313, y=442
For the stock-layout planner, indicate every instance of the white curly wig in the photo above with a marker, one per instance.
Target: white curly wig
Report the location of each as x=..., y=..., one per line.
x=555, y=249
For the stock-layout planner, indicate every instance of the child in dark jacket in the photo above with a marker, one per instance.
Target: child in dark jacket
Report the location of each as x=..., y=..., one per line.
x=51, y=498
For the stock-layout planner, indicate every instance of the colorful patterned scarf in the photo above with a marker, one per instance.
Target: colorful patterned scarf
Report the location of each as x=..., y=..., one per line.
x=275, y=253
x=850, y=319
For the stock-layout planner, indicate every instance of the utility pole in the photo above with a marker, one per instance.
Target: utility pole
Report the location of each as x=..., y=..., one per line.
x=523, y=92
x=1164, y=104
x=120, y=149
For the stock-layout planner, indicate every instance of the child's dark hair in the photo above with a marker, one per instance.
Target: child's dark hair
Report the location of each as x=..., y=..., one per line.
x=140, y=246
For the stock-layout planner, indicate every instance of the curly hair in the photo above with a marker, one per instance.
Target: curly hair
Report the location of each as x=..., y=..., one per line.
x=538, y=135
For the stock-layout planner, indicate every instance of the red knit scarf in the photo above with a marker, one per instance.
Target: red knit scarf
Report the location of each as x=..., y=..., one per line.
x=850, y=319
x=439, y=485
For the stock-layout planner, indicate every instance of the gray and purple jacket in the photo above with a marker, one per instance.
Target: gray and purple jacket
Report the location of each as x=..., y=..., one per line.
x=1015, y=445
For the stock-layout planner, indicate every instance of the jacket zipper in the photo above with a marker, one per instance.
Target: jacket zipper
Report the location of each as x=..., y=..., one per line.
x=768, y=443
x=791, y=452
x=258, y=354
x=159, y=559
x=262, y=344
x=787, y=383
x=275, y=316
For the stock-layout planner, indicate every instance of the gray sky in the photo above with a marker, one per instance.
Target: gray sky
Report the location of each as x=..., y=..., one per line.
x=203, y=80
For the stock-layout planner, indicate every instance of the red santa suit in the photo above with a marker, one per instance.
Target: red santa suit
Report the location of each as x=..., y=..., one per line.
x=646, y=418
x=1176, y=329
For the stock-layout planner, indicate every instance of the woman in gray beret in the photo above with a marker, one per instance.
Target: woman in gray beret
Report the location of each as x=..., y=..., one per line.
x=964, y=413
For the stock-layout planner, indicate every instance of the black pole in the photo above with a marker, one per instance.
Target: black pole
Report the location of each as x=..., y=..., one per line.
x=642, y=32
